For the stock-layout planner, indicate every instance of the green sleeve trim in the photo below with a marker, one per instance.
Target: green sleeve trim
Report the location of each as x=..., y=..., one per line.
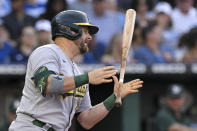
x=40, y=79
x=110, y=102
x=81, y=80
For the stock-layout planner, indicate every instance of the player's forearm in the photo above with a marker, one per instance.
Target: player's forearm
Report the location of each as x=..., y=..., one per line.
x=92, y=116
x=69, y=84
x=61, y=84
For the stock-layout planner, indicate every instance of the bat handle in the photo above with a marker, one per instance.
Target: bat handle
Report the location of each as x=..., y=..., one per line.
x=118, y=102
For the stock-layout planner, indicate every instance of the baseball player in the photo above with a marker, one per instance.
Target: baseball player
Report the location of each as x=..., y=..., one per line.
x=56, y=88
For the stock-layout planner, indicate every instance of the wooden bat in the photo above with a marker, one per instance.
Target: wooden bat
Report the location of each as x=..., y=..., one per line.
x=126, y=43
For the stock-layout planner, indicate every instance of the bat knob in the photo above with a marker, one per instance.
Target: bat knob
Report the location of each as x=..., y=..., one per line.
x=118, y=102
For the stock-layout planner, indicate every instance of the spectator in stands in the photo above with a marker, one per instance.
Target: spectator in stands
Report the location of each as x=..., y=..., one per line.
x=82, y=5
x=108, y=22
x=17, y=19
x=137, y=41
x=112, y=5
x=189, y=41
x=43, y=29
x=9, y=115
x=171, y=116
x=28, y=42
x=184, y=16
x=114, y=50
x=152, y=51
x=5, y=44
x=137, y=36
x=4, y=7
x=142, y=8
x=35, y=7
x=53, y=7
x=163, y=12
x=95, y=53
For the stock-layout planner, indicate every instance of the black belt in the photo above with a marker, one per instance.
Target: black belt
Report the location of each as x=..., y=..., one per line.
x=41, y=124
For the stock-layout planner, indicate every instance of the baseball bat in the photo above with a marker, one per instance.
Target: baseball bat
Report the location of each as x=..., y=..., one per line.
x=126, y=43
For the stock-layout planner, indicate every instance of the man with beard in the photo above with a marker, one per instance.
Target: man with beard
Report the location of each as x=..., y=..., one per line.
x=171, y=116
x=55, y=87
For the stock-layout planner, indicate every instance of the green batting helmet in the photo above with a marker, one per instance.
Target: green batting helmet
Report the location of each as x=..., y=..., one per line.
x=71, y=20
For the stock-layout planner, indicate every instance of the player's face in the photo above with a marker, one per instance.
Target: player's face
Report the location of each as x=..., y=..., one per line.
x=83, y=41
x=175, y=104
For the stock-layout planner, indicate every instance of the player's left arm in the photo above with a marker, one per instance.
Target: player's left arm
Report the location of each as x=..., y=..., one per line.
x=92, y=116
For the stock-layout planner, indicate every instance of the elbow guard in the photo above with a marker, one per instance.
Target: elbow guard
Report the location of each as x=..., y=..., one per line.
x=56, y=84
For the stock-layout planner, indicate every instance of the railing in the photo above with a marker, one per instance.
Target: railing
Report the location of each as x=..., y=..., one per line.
x=130, y=69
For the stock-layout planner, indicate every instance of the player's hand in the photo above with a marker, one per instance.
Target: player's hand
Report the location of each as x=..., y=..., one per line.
x=101, y=75
x=128, y=88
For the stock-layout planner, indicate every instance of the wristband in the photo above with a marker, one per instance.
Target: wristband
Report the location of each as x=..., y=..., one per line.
x=81, y=80
x=110, y=102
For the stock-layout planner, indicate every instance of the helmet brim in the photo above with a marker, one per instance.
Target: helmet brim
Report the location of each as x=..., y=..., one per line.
x=92, y=28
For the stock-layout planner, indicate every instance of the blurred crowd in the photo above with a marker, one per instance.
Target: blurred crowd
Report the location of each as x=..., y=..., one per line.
x=165, y=30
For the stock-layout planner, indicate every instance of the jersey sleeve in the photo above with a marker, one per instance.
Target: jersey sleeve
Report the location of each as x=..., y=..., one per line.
x=44, y=57
x=43, y=62
x=85, y=103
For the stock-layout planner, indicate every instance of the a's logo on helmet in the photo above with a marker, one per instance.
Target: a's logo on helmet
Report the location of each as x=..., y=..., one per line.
x=64, y=29
x=67, y=28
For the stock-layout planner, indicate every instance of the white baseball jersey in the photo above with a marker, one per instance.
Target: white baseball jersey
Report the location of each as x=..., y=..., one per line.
x=57, y=110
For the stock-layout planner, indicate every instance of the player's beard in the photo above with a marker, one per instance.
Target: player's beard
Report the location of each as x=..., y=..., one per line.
x=83, y=46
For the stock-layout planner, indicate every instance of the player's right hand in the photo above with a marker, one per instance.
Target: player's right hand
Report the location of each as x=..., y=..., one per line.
x=102, y=75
